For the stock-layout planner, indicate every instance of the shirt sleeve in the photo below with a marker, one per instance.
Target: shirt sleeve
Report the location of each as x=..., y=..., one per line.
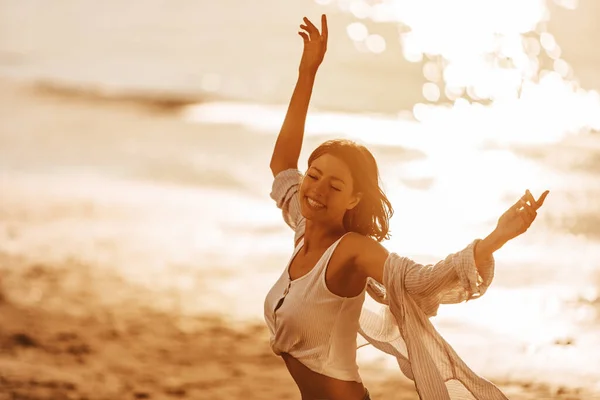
x=285, y=193
x=452, y=280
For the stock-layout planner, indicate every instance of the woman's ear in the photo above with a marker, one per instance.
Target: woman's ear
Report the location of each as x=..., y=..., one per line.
x=354, y=201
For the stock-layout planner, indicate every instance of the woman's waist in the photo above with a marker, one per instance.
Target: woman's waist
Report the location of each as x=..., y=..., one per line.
x=318, y=348
x=318, y=386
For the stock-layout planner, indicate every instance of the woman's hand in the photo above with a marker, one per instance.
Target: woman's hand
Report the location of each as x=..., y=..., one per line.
x=517, y=219
x=315, y=45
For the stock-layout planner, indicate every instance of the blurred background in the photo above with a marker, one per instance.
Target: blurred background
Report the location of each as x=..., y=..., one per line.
x=137, y=236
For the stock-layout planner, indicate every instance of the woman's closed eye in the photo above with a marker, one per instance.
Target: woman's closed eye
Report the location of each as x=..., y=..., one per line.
x=314, y=178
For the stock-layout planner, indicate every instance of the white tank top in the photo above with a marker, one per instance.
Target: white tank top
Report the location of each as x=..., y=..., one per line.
x=313, y=325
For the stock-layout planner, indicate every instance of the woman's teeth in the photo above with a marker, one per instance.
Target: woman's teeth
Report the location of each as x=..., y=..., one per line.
x=314, y=204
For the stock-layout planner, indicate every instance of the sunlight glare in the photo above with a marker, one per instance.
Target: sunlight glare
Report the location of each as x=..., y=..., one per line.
x=547, y=41
x=360, y=9
x=431, y=71
x=357, y=31
x=431, y=91
x=375, y=43
x=491, y=53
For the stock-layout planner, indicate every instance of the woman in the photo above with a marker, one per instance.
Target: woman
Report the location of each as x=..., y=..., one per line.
x=339, y=215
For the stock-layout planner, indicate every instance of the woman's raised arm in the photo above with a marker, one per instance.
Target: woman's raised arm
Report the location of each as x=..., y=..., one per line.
x=289, y=142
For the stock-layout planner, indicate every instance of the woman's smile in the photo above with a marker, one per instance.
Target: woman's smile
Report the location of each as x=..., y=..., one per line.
x=313, y=204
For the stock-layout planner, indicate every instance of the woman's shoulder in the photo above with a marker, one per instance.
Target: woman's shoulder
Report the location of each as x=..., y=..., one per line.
x=359, y=243
x=362, y=250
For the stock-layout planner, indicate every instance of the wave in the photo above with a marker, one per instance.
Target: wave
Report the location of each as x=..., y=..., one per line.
x=186, y=174
x=156, y=100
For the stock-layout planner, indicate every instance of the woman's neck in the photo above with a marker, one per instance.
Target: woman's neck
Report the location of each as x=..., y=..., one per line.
x=319, y=235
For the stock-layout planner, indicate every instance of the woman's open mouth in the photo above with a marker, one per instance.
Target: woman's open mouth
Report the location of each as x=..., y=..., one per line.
x=315, y=205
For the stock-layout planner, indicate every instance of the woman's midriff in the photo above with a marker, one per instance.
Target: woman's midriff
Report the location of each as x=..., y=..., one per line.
x=314, y=386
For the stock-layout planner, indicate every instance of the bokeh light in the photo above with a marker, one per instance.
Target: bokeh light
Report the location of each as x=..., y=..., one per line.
x=375, y=43
x=499, y=52
x=431, y=91
x=357, y=31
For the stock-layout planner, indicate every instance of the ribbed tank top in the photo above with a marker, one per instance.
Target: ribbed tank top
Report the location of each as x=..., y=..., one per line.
x=312, y=324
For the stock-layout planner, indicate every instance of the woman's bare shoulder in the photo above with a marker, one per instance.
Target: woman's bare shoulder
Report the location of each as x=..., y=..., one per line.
x=358, y=244
x=365, y=254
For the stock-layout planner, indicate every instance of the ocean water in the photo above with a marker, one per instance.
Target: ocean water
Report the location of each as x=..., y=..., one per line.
x=392, y=80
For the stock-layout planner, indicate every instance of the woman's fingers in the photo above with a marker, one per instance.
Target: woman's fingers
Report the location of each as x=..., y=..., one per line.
x=536, y=204
x=304, y=36
x=517, y=205
x=312, y=29
x=540, y=201
x=324, y=29
x=526, y=212
x=305, y=31
x=529, y=198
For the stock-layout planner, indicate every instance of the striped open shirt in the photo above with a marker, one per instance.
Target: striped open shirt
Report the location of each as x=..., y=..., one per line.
x=410, y=294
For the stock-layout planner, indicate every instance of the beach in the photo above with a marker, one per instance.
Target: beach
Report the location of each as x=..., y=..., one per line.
x=138, y=239
x=94, y=306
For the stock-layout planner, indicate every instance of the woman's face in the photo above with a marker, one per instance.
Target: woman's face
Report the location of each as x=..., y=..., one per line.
x=327, y=190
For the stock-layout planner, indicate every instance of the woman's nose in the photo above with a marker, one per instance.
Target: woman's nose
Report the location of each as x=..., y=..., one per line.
x=321, y=188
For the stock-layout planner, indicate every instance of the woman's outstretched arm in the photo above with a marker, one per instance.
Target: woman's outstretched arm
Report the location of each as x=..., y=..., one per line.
x=369, y=256
x=289, y=142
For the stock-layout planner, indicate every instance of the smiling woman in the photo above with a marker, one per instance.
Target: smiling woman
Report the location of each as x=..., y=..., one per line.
x=339, y=214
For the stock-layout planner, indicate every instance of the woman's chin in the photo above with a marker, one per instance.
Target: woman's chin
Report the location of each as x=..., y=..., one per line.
x=307, y=214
